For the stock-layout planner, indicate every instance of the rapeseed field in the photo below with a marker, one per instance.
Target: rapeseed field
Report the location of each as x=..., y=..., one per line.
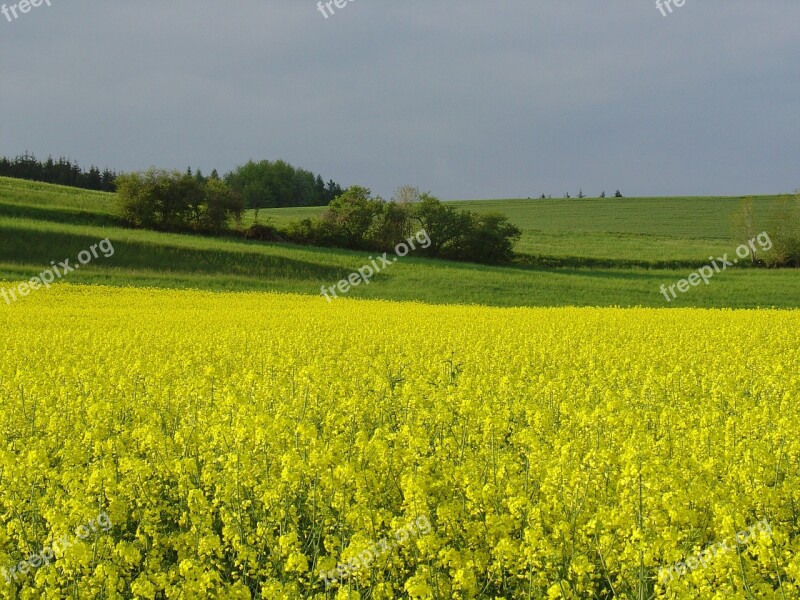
x=177, y=444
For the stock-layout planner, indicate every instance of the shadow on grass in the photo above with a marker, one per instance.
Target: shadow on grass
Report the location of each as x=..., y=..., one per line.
x=558, y=262
x=56, y=215
x=30, y=246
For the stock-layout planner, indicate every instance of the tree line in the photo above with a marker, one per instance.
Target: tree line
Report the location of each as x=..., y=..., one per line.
x=266, y=184
x=60, y=172
x=262, y=184
x=581, y=195
x=359, y=221
x=174, y=201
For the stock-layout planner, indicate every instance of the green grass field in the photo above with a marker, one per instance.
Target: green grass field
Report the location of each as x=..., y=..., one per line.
x=602, y=246
x=628, y=231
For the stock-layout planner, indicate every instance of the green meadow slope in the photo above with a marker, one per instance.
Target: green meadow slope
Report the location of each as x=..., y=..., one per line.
x=577, y=252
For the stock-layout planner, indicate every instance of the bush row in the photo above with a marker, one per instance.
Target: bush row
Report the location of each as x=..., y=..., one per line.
x=359, y=221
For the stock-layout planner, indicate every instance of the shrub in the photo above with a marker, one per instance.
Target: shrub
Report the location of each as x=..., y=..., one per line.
x=357, y=220
x=784, y=231
x=489, y=238
x=263, y=233
x=171, y=201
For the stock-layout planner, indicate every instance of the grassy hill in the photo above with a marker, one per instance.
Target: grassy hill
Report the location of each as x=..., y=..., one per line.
x=598, y=240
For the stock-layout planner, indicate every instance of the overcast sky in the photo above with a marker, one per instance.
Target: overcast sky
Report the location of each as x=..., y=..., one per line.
x=466, y=98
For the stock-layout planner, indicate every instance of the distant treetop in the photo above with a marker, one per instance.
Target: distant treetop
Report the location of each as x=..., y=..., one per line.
x=60, y=172
x=266, y=184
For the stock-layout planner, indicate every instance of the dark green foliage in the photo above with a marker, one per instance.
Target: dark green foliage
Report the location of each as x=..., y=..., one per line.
x=262, y=184
x=356, y=220
x=221, y=203
x=266, y=184
x=171, y=201
x=63, y=172
x=263, y=233
x=445, y=225
x=488, y=238
x=313, y=232
x=393, y=222
x=351, y=215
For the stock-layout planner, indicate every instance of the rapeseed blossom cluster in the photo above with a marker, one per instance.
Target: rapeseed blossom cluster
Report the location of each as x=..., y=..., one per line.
x=243, y=443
